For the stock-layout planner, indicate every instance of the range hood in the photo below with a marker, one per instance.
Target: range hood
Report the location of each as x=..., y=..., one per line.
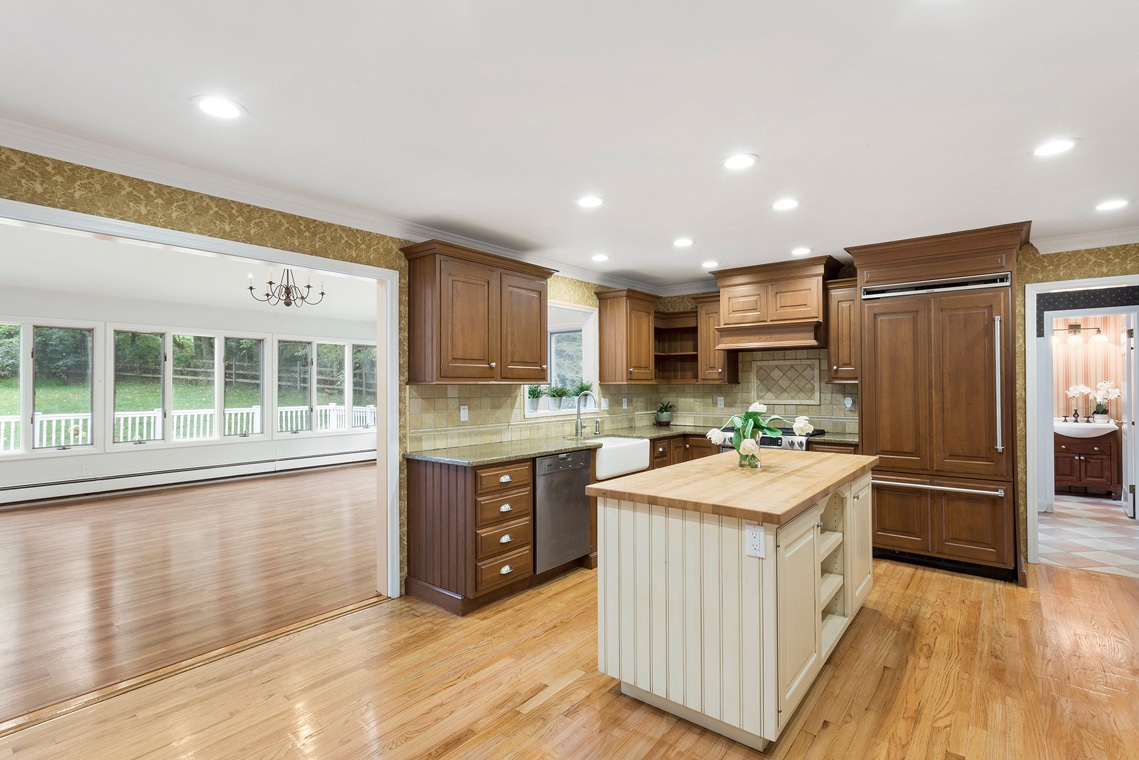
x=800, y=333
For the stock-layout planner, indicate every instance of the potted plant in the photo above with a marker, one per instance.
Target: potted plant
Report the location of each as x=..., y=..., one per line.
x=534, y=394
x=581, y=388
x=1104, y=391
x=664, y=413
x=558, y=396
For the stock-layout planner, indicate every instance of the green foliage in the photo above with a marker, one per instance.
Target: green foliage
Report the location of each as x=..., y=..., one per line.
x=63, y=353
x=558, y=391
x=581, y=388
x=665, y=407
x=751, y=424
x=9, y=351
x=535, y=391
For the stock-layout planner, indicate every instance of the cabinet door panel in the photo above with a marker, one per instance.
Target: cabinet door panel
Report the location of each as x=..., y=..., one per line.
x=964, y=402
x=858, y=551
x=797, y=599
x=525, y=342
x=1095, y=470
x=895, y=378
x=641, y=345
x=800, y=298
x=973, y=527
x=843, y=333
x=743, y=304
x=468, y=320
x=1067, y=468
x=678, y=450
x=901, y=518
x=714, y=366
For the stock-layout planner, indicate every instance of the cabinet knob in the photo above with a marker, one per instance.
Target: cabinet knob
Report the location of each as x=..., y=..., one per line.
x=857, y=496
x=506, y=479
x=506, y=508
x=687, y=446
x=1095, y=448
x=506, y=570
x=494, y=364
x=834, y=368
x=661, y=450
x=1063, y=447
x=506, y=539
x=543, y=366
x=630, y=370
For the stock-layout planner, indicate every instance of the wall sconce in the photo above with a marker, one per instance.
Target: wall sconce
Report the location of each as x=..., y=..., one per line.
x=1076, y=334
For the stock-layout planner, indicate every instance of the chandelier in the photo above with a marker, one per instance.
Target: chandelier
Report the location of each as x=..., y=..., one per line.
x=286, y=291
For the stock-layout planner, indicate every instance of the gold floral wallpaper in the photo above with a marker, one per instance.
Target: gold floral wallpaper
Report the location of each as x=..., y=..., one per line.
x=569, y=290
x=31, y=178
x=1033, y=266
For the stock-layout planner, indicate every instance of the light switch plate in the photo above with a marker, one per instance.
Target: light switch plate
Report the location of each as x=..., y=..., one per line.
x=604, y=404
x=753, y=541
x=624, y=402
x=719, y=402
x=463, y=413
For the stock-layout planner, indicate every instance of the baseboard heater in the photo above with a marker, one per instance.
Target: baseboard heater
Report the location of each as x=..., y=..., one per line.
x=316, y=459
x=945, y=285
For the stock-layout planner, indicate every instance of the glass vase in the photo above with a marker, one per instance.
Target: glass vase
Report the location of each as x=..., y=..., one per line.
x=749, y=460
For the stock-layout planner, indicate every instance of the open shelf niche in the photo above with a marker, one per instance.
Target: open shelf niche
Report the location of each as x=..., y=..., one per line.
x=675, y=347
x=831, y=572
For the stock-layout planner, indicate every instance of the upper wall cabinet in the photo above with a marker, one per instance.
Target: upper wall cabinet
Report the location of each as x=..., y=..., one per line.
x=844, y=322
x=474, y=317
x=773, y=305
x=627, y=339
x=713, y=366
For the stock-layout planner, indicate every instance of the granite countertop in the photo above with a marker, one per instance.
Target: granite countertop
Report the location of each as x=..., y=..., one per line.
x=787, y=484
x=502, y=451
x=837, y=438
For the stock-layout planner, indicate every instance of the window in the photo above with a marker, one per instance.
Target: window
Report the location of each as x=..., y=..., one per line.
x=192, y=397
x=573, y=362
x=294, y=360
x=363, y=386
x=9, y=388
x=138, y=386
x=242, y=387
x=330, y=408
x=61, y=387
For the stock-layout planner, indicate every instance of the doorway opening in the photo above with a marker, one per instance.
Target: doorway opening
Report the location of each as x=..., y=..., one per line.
x=1081, y=365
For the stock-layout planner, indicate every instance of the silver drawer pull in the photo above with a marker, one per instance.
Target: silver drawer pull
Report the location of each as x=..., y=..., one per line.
x=506, y=539
x=1095, y=448
x=506, y=508
x=506, y=479
x=506, y=570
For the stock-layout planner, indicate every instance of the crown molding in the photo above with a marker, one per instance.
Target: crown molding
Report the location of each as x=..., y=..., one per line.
x=62, y=146
x=1087, y=240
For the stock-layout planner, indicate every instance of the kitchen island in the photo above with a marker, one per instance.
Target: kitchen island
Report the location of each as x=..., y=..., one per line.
x=722, y=590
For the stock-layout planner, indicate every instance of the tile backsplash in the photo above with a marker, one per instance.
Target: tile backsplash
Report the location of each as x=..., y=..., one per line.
x=789, y=382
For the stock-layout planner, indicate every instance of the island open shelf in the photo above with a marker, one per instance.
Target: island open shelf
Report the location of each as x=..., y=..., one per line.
x=722, y=590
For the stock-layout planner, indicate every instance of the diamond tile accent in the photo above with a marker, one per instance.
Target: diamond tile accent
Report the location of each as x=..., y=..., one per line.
x=787, y=382
x=1090, y=533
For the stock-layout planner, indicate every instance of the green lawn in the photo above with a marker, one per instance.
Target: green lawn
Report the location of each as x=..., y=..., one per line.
x=60, y=398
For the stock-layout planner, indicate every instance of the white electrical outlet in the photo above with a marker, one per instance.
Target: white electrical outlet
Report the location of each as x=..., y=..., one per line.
x=848, y=402
x=463, y=413
x=604, y=404
x=753, y=541
x=624, y=402
x=719, y=402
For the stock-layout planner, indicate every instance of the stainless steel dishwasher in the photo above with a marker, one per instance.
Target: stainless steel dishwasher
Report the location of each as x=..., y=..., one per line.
x=561, y=509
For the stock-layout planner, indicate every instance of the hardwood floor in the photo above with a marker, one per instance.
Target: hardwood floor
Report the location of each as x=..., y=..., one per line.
x=936, y=665
x=96, y=592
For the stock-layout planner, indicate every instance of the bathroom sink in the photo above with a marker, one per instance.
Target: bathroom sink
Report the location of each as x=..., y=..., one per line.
x=620, y=456
x=1083, y=429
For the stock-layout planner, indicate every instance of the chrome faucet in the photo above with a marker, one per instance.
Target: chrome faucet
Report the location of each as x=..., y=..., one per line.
x=580, y=396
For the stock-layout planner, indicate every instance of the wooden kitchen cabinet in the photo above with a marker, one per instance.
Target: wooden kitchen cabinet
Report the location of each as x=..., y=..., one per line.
x=844, y=334
x=626, y=337
x=469, y=532
x=1089, y=462
x=713, y=367
x=475, y=317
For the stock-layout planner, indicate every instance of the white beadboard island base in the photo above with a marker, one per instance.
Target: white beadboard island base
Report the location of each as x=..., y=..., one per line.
x=693, y=625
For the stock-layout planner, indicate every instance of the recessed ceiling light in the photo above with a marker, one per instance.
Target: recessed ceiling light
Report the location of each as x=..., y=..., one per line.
x=600, y=257
x=219, y=107
x=682, y=242
x=1111, y=205
x=589, y=201
x=710, y=264
x=785, y=204
x=1053, y=147
x=800, y=251
x=740, y=161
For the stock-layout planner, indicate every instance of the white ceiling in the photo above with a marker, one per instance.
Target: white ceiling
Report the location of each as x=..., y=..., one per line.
x=481, y=122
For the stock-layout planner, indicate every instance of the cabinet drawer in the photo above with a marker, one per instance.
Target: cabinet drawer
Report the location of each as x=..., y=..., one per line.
x=501, y=538
x=503, y=569
x=502, y=477
x=506, y=506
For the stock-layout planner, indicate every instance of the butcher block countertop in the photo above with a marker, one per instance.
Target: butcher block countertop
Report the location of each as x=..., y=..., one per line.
x=787, y=484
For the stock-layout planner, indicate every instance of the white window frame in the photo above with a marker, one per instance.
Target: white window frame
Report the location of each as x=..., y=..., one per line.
x=589, y=339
